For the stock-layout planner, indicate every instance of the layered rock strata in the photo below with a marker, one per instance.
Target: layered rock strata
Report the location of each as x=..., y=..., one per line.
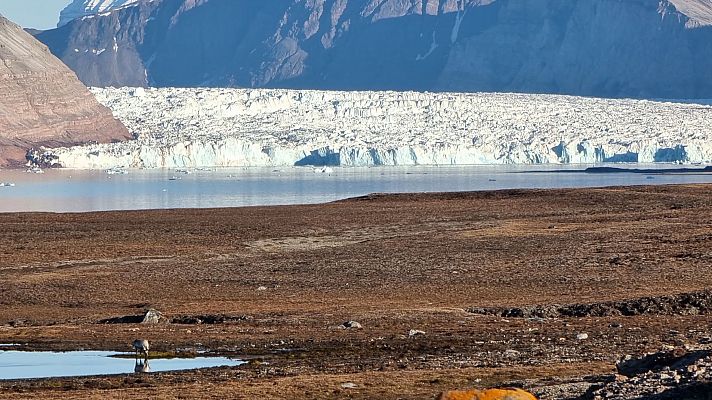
x=43, y=103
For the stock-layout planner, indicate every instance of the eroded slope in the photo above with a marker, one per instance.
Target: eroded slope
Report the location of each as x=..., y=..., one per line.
x=42, y=102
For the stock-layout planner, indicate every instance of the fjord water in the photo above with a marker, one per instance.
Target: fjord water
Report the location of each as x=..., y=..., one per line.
x=41, y=364
x=80, y=191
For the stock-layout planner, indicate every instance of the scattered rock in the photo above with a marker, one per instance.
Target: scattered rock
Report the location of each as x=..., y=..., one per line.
x=582, y=336
x=677, y=374
x=127, y=319
x=693, y=303
x=208, y=319
x=509, y=353
x=415, y=332
x=566, y=390
x=349, y=385
x=630, y=366
x=16, y=323
x=262, y=288
x=352, y=325
x=152, y=316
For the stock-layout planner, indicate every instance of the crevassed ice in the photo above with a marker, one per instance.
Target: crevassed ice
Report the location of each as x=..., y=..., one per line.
x=177, y=128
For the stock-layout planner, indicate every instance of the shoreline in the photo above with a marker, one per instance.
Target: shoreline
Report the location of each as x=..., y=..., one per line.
x=276, y=284
x=428, y=195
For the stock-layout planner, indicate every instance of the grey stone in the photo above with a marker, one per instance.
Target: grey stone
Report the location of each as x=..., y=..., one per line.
x=152, y=317
x=352, y=325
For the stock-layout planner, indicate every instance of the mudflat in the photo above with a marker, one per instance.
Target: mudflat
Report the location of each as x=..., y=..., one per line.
x=535, y=288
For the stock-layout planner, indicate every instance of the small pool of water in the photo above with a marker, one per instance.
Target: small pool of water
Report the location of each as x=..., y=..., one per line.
x=27, y=364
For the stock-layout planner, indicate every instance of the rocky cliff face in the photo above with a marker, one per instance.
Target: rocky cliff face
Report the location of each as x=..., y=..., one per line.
x=81, y=8
x=43, y=102
x=608, y=48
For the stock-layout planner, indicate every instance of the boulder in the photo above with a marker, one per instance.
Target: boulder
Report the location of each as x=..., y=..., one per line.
x=489, y=394
x=153, y=317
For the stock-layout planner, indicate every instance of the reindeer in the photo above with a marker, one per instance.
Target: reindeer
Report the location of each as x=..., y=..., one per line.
x=141, y=346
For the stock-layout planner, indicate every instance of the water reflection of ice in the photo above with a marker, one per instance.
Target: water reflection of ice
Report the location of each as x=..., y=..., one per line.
x=26, y=365
x=72, y=190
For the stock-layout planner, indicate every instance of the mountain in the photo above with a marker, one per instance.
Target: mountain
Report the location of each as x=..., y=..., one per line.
x=82, y=8
x=43, y=102
x=606, y=48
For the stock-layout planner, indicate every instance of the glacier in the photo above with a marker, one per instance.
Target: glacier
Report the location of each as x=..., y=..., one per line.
x=217, y=127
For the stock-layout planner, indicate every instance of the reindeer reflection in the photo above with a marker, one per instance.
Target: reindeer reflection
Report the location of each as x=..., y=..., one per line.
x=141, y=346
x=141, y=366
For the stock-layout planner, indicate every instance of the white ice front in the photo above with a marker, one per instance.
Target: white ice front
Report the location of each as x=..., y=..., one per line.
x=257, y=127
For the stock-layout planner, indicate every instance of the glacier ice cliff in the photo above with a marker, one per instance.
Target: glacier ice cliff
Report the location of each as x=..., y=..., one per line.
x=182, y=127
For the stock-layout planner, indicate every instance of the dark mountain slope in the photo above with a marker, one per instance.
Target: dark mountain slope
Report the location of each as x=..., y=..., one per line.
x=611, y=48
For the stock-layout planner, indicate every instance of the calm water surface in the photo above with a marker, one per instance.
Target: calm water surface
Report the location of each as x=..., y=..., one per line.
x=79, y=191
x=42, y=364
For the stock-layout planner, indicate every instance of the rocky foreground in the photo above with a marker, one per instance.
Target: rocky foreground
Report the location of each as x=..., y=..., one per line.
x=559, y=292
x=43, y=103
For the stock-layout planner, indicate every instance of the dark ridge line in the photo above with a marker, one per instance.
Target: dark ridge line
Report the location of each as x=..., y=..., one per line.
x=693, y=303
x=613, y=170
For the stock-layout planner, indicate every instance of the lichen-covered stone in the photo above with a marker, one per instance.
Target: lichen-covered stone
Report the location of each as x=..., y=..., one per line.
x=490, y=394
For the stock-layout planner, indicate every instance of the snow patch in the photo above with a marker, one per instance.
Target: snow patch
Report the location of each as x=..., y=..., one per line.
x=433, y=46
x=90, y=8
x=456, y=28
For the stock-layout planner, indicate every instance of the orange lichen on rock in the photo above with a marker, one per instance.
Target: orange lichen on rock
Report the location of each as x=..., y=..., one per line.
x=491, y=394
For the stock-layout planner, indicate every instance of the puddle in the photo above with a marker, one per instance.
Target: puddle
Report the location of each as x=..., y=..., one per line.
x=27, y=365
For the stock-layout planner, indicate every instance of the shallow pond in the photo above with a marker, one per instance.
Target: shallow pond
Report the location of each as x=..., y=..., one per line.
x=27, y=364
